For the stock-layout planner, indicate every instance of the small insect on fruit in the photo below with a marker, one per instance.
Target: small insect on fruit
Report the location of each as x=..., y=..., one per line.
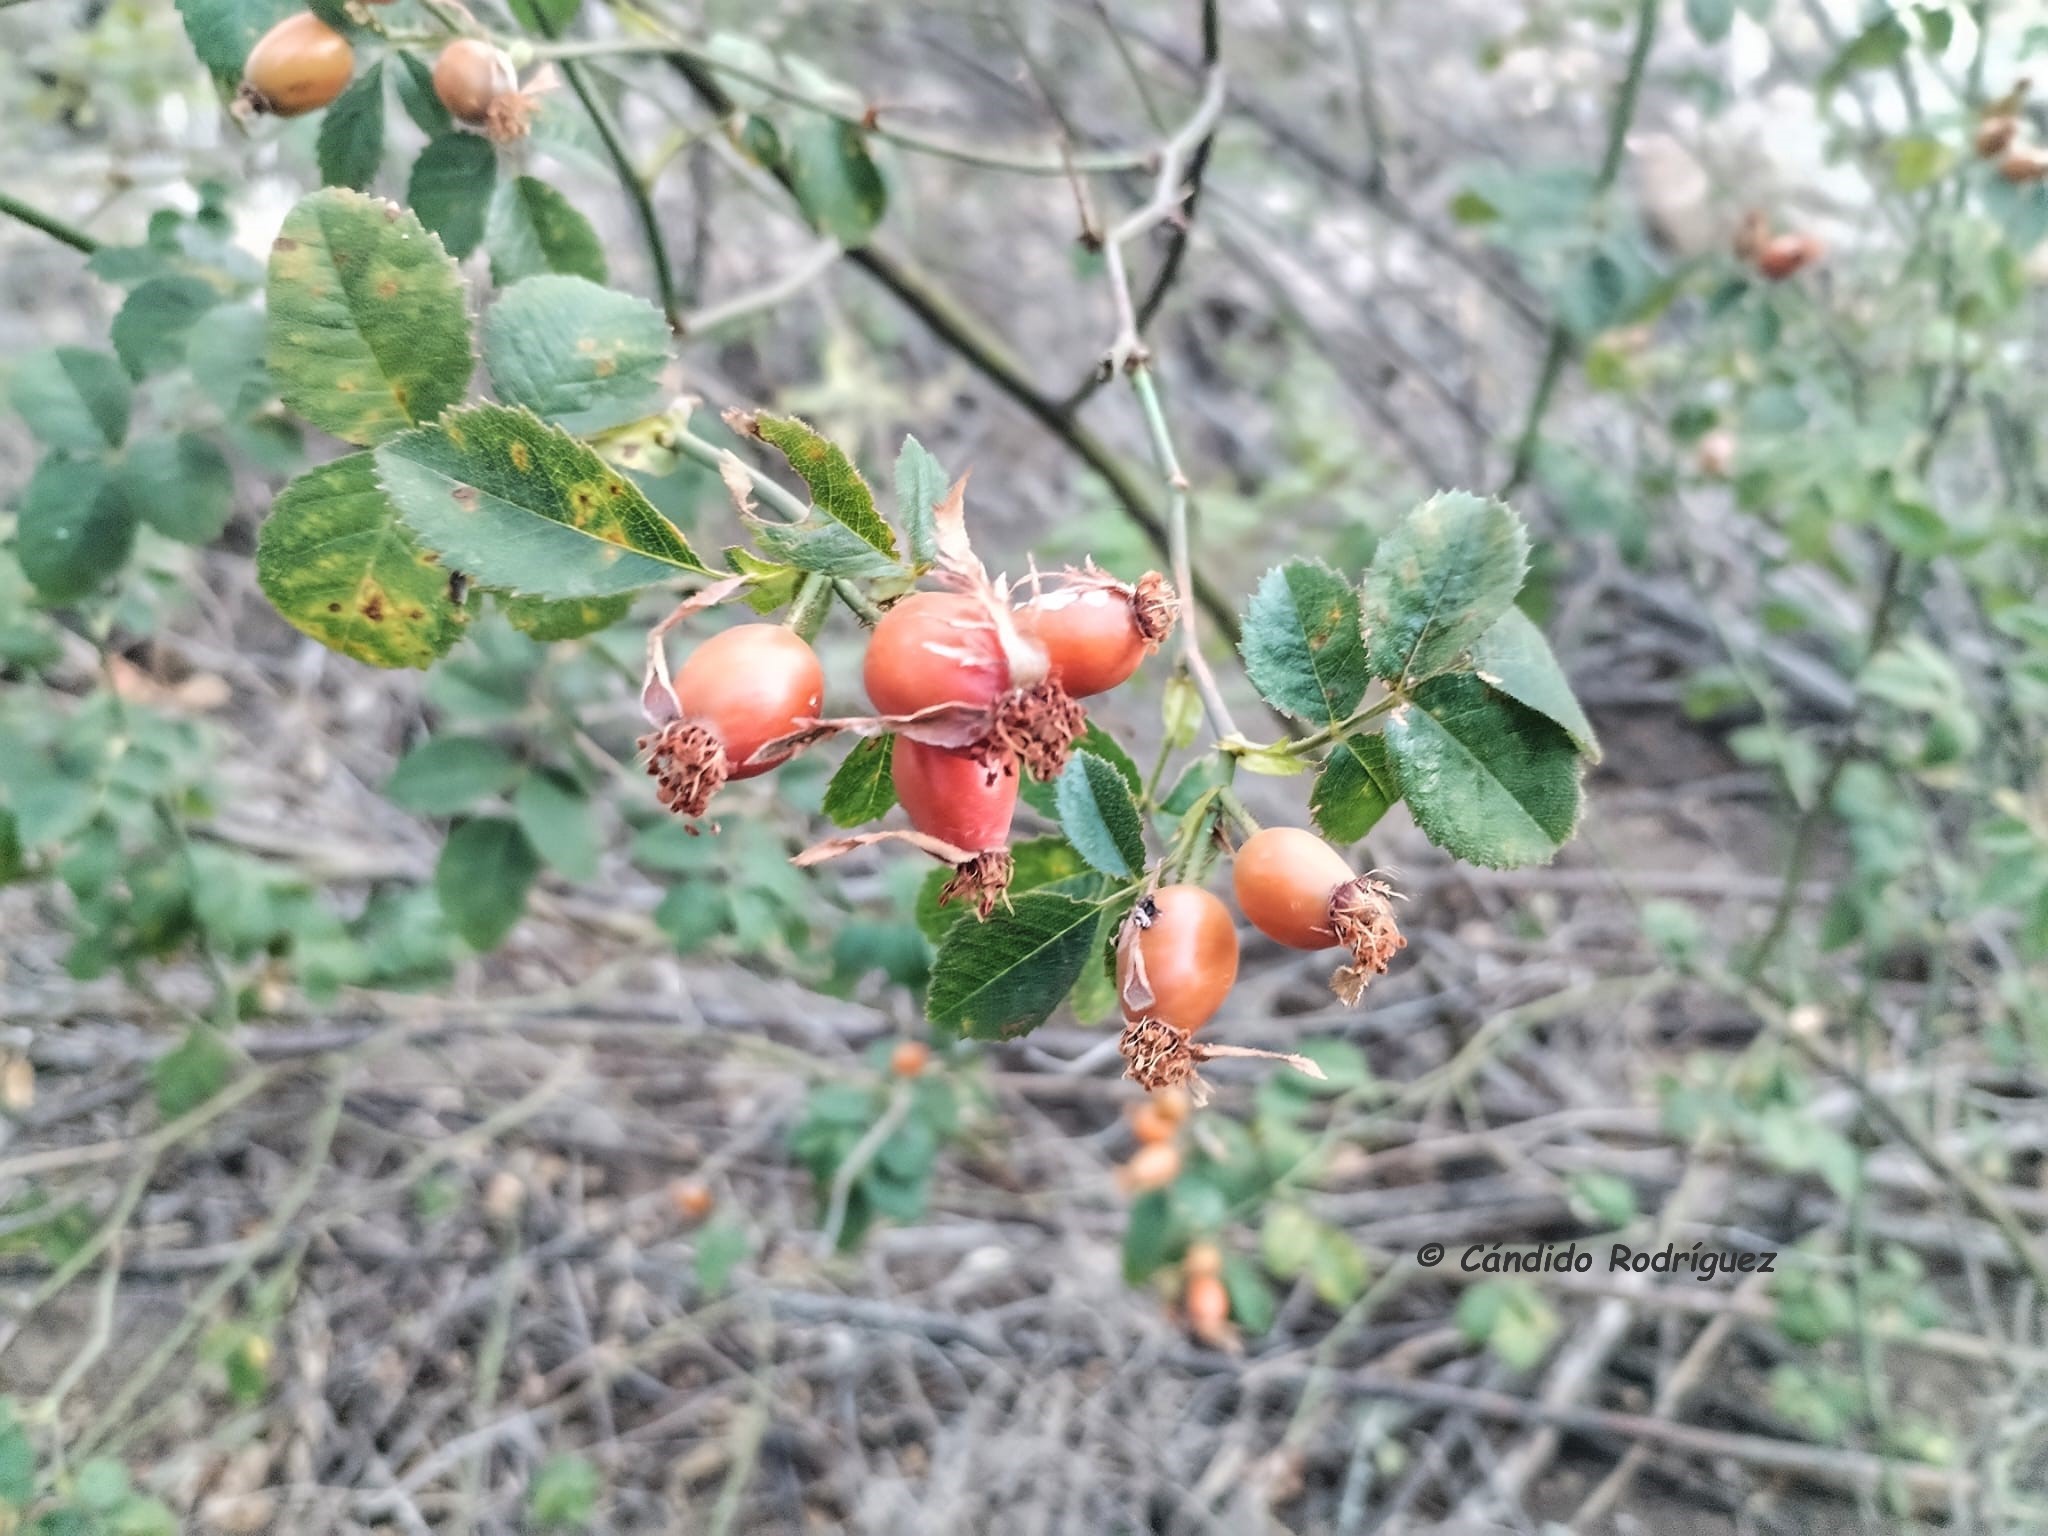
x=1180, y=958
x=1096, y=630
x=738, y=691
x=298, y=66
x=1176, y=959
x=1295, y=888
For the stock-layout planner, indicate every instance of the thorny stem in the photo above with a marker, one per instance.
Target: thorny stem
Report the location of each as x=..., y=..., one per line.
x=1178, y=553
x=49, y=224
x=1558, y=346
x=812, y=602
x=1128, y=354
x=869, y=119
x=961, y=331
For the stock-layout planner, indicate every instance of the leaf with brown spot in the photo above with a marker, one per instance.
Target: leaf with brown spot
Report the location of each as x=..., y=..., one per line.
x=339, y=565
x=350, y=357
x=564, y=526
x=837, y=488
x=584, y=357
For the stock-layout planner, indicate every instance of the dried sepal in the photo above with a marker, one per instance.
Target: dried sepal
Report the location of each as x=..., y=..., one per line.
x=1155, y=607
x=1035, y=726
x=509, y=116
x=1362, y=918
x=688, y=763
x=658, y=700
x=982, y=878
x=1158, y=1055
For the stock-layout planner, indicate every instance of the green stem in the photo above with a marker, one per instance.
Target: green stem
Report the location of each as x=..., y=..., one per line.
x=1179, y=547
x=856, y=600
x=630, y=179
x=1558, y=345
x=50, y=225
x=812, y=602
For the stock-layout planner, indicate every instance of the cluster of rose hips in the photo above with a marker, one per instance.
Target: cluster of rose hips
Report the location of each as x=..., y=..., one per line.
x=302, y=64
x=978, y=689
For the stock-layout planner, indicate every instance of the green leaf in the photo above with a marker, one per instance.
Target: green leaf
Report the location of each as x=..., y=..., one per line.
x=75, y=400
x=564, y=1492
x=1252, y=1301
x=1002, y=978
x=485, y=871
x=531, y=229
x=1302, y=646
x=223, y=31
x=1509, y=1318
x=1287, y=1240
x=1878, y=46
x=351, y=142
x=835, y=179
x=447, y=774
x=821, y=545
x=561, y=823
x=181, y=486
x=150, y=331
x=1099, y=816
x=837, y=488
x=368, y=331
x=1336, y=1268
x=339, y=566
x=1488, y=780
x=187, y=1077
x=920, y=486
x=568, y=619
x=1439, y=581
x=17, y=1461
x=225, y=359
x=722, y=1247
x=525, y=508
x=74, y=531
x=1355, y=787
x=1710, y=19
x=1036, y=862
x=1043, y=795
x=773, y=584
x=862, y=789
x=451, y=189
x=581, y=356
x=1151, y=1237
x=416, y=95
x=1513, y=658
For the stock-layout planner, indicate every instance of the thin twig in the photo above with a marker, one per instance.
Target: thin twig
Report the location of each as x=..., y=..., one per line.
x=1557, y=345
x=49, y=224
